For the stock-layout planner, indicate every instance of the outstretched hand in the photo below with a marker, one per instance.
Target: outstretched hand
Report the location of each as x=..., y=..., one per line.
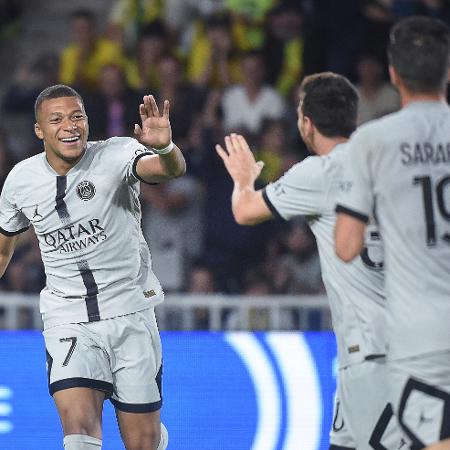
x=239, y=160
x=155, y=130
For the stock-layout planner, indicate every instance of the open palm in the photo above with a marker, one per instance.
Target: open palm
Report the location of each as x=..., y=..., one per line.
x=155, y=130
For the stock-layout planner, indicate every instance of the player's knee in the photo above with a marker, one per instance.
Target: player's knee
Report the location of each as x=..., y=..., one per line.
x=80, y=420
x=147, y=439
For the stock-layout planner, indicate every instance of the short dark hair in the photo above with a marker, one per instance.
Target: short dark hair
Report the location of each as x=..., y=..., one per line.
x=331, y=102
x=419, y=50
x=83, y=13
x=56, y=91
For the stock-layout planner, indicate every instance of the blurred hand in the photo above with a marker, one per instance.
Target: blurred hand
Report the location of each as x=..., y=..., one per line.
x=239, y=160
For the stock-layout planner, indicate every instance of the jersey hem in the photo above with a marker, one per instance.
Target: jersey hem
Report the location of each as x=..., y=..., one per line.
x=68, y=383
x=13, y=233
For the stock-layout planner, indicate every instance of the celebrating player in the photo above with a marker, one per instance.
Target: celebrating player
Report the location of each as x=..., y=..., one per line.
x=100, y=331
x=326, y=118
x=400, y=168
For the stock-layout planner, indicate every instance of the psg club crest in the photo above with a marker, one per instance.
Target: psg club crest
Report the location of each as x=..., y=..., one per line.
x=86, y=190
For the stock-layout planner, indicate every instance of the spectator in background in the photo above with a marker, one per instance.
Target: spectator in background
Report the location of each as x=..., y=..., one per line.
x=27, y=82
x=112, y=107
x=83, y=59
x=212, y=60
x=273, y=150
x=6, y=162
x=187, y=99
x=172, y=225
x=142, y=69
x=300, y=264
x=248, y=103
x=377, y=97
x=201, y=281
x=128, y=18
x=10, y=19
x=283, y=48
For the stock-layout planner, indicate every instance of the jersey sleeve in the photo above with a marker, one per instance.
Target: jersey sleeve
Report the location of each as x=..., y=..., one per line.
x=355, y=197
x=12, y=220
x=299, y=192
x=125, y=156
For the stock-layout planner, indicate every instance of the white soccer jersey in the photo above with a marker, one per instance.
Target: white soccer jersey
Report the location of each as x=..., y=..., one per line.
x=97, y=262
x=355, y=290
x=400, y=166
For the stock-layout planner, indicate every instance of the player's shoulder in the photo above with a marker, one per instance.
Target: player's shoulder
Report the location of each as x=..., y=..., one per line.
x=310, y=164
x=27, y=165
x=116, y=146
x=380, y=128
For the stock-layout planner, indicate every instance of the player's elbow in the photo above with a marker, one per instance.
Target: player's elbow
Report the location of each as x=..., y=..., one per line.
x=345, y=253
x=243, y=217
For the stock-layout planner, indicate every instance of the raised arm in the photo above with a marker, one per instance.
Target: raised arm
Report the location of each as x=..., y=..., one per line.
x=249, y=207
x=156, y=133
x=7, y=246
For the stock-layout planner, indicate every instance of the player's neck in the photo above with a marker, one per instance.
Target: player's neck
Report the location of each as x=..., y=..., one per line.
x=407, y=97
x=325, y=145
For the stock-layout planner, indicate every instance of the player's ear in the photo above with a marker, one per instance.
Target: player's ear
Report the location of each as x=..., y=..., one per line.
x=393, y=75
x=37, y=131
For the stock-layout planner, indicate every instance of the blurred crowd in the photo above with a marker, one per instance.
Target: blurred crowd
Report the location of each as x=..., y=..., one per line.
x=226, y=66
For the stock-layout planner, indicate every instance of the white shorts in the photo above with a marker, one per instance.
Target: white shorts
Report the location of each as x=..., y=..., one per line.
x=420, y=391
x=364, y=396
x=340, y=436
x=120, y=356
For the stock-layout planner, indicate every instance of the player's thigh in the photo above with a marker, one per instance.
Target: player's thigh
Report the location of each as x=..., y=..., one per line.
x=139, y=430
x=80, y=410
x=136, y=363
x=443, y=445
x=420, y=391
x=365, y=404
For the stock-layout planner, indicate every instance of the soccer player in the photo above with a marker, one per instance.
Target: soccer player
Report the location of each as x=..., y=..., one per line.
x=326, y=117
x=400, y=168
x=100, y=332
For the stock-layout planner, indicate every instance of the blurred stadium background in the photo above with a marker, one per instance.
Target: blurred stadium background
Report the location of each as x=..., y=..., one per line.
x=249, y=358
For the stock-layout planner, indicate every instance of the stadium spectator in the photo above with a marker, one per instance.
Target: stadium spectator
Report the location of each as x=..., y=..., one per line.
x=112, y=107
x=377, y=97
x=212, y=60
x=187, y=99
x=248, y=103
x=82, y=60
x=283, y=47
x=141, y=69
x=127, y=19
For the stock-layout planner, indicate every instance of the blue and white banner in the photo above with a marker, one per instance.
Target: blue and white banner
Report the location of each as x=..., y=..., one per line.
x=222, y=391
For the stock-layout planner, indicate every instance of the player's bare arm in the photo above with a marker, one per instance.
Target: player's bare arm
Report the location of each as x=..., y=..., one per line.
x=249, y=207
x=348, y=236
x=155, y=132
x=7, y=246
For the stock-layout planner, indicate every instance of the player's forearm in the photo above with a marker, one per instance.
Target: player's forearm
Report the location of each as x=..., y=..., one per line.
x=7, y=245
x=248, y=206
x=173, y=163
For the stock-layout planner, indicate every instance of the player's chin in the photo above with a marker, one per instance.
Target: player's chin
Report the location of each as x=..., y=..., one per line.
x=71, y=155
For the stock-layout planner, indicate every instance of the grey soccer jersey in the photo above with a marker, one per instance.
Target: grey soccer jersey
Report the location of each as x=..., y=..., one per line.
x=400, y=167
x=97, y=262
x=355, y=290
